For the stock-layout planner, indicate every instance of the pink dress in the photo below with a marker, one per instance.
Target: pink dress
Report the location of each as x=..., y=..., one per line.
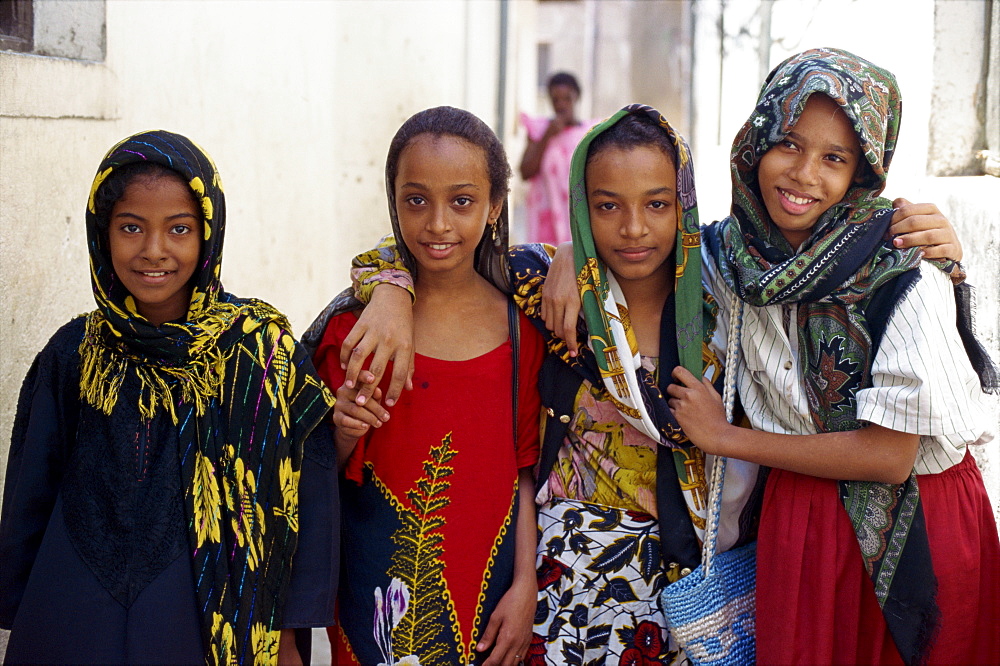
x=548, y=194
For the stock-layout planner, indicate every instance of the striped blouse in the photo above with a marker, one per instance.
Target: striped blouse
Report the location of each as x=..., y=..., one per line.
x=922, y=380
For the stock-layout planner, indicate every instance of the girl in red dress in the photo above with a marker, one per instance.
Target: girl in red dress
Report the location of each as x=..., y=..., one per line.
x=438, y=516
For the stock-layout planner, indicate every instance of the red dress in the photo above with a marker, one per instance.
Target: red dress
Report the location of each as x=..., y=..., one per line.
x=429, y=504
x=816, y=603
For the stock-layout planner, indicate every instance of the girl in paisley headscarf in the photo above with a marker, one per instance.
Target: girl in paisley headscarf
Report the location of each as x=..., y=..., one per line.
x=161, y=446
x=863, y=393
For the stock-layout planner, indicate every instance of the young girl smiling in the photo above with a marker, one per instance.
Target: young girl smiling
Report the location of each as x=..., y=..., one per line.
x=152, y=499
x=438, y=517
x=862, y=392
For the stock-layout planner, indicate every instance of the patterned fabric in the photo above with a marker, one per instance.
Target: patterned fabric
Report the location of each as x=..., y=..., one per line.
x=833, y=279
x=243, y=396
x=547, y=201
x=604, y=306
x=599, y=580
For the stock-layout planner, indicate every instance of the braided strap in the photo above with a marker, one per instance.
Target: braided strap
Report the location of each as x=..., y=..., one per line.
x=719, y=467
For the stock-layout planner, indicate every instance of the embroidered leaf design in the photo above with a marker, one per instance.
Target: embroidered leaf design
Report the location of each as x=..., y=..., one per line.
x=649, y=558
x=417, y=561
x=265, y=645
x=207, y=507
x=613, y=558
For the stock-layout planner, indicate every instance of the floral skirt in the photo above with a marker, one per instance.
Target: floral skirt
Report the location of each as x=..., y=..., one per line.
x=599, y=578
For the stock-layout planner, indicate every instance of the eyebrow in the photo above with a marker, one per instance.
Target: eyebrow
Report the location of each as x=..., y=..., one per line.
x=457, y=186
x=835, y=147
x=133, y=216
x=648, y=193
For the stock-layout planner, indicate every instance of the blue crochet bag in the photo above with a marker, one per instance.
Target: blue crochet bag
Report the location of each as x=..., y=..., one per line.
x=710, y=612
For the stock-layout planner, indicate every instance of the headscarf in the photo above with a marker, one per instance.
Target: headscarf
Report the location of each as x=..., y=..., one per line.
x=834, y=278
x=232, y=379
x=612, y=357
x=604, y=307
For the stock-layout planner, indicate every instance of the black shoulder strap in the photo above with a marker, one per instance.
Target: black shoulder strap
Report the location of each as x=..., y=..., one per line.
x=514, y=328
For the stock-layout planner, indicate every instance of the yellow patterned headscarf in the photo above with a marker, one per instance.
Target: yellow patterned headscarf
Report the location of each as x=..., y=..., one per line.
x=242, y=394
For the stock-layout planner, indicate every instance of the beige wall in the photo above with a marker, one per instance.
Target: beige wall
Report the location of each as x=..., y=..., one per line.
x=295, y=101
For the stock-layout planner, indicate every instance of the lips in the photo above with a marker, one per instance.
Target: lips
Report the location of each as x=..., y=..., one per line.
x=438, y=250
x=153, y=277
x=795, y=203
x=634, y=253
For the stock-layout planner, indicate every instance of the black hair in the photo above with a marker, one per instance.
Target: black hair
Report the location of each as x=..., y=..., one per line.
x=449, y=121
x=563, y=79
x=113, y=188
x=633, y=131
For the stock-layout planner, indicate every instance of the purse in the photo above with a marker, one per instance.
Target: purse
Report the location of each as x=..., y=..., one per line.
x=711, y=611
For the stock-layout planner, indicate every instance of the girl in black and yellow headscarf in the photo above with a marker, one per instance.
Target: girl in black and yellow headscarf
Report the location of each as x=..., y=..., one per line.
x=151, y=507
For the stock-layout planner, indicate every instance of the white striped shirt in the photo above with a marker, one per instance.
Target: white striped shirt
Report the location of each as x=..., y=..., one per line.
x=922, y=380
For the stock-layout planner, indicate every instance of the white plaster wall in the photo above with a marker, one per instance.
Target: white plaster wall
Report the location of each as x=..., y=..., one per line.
x=295, y=100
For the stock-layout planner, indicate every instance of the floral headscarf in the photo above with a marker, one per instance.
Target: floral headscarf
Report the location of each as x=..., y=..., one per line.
x=242, y=395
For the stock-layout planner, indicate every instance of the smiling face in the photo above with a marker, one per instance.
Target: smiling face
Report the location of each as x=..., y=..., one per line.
x=155, y=240
x=810, y=170
x=631, y=195
x=442, y=193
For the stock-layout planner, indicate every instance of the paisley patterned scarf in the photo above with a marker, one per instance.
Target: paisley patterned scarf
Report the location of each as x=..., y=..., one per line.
x=833, y=278
x=242, y=394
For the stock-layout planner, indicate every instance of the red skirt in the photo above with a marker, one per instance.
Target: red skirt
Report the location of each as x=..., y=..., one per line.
x=816, y=603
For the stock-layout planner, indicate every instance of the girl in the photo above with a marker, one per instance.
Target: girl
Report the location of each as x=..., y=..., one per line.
x=622, y=494
x=438, y=522
x=852, y=369
x=545, y=163
x=151, y=505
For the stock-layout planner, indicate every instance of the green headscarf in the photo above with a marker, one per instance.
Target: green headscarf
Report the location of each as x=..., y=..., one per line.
x=611, y=338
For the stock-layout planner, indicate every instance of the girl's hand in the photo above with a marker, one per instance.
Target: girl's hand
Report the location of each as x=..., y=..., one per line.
x=351, y=420
x=923, y=225
x=698, y=408
x=288, y=652
x=385, y=328
x=561, y=297
x=510, y=624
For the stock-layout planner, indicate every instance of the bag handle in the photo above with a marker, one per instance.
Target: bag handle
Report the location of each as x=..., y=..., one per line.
x=719, y=466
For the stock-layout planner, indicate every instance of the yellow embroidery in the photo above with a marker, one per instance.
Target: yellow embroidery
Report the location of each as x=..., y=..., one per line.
x=223, y=650
x=207, y=510
x=289, y=494
x=417, y=561
x=247, y=515
x=265, y=645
